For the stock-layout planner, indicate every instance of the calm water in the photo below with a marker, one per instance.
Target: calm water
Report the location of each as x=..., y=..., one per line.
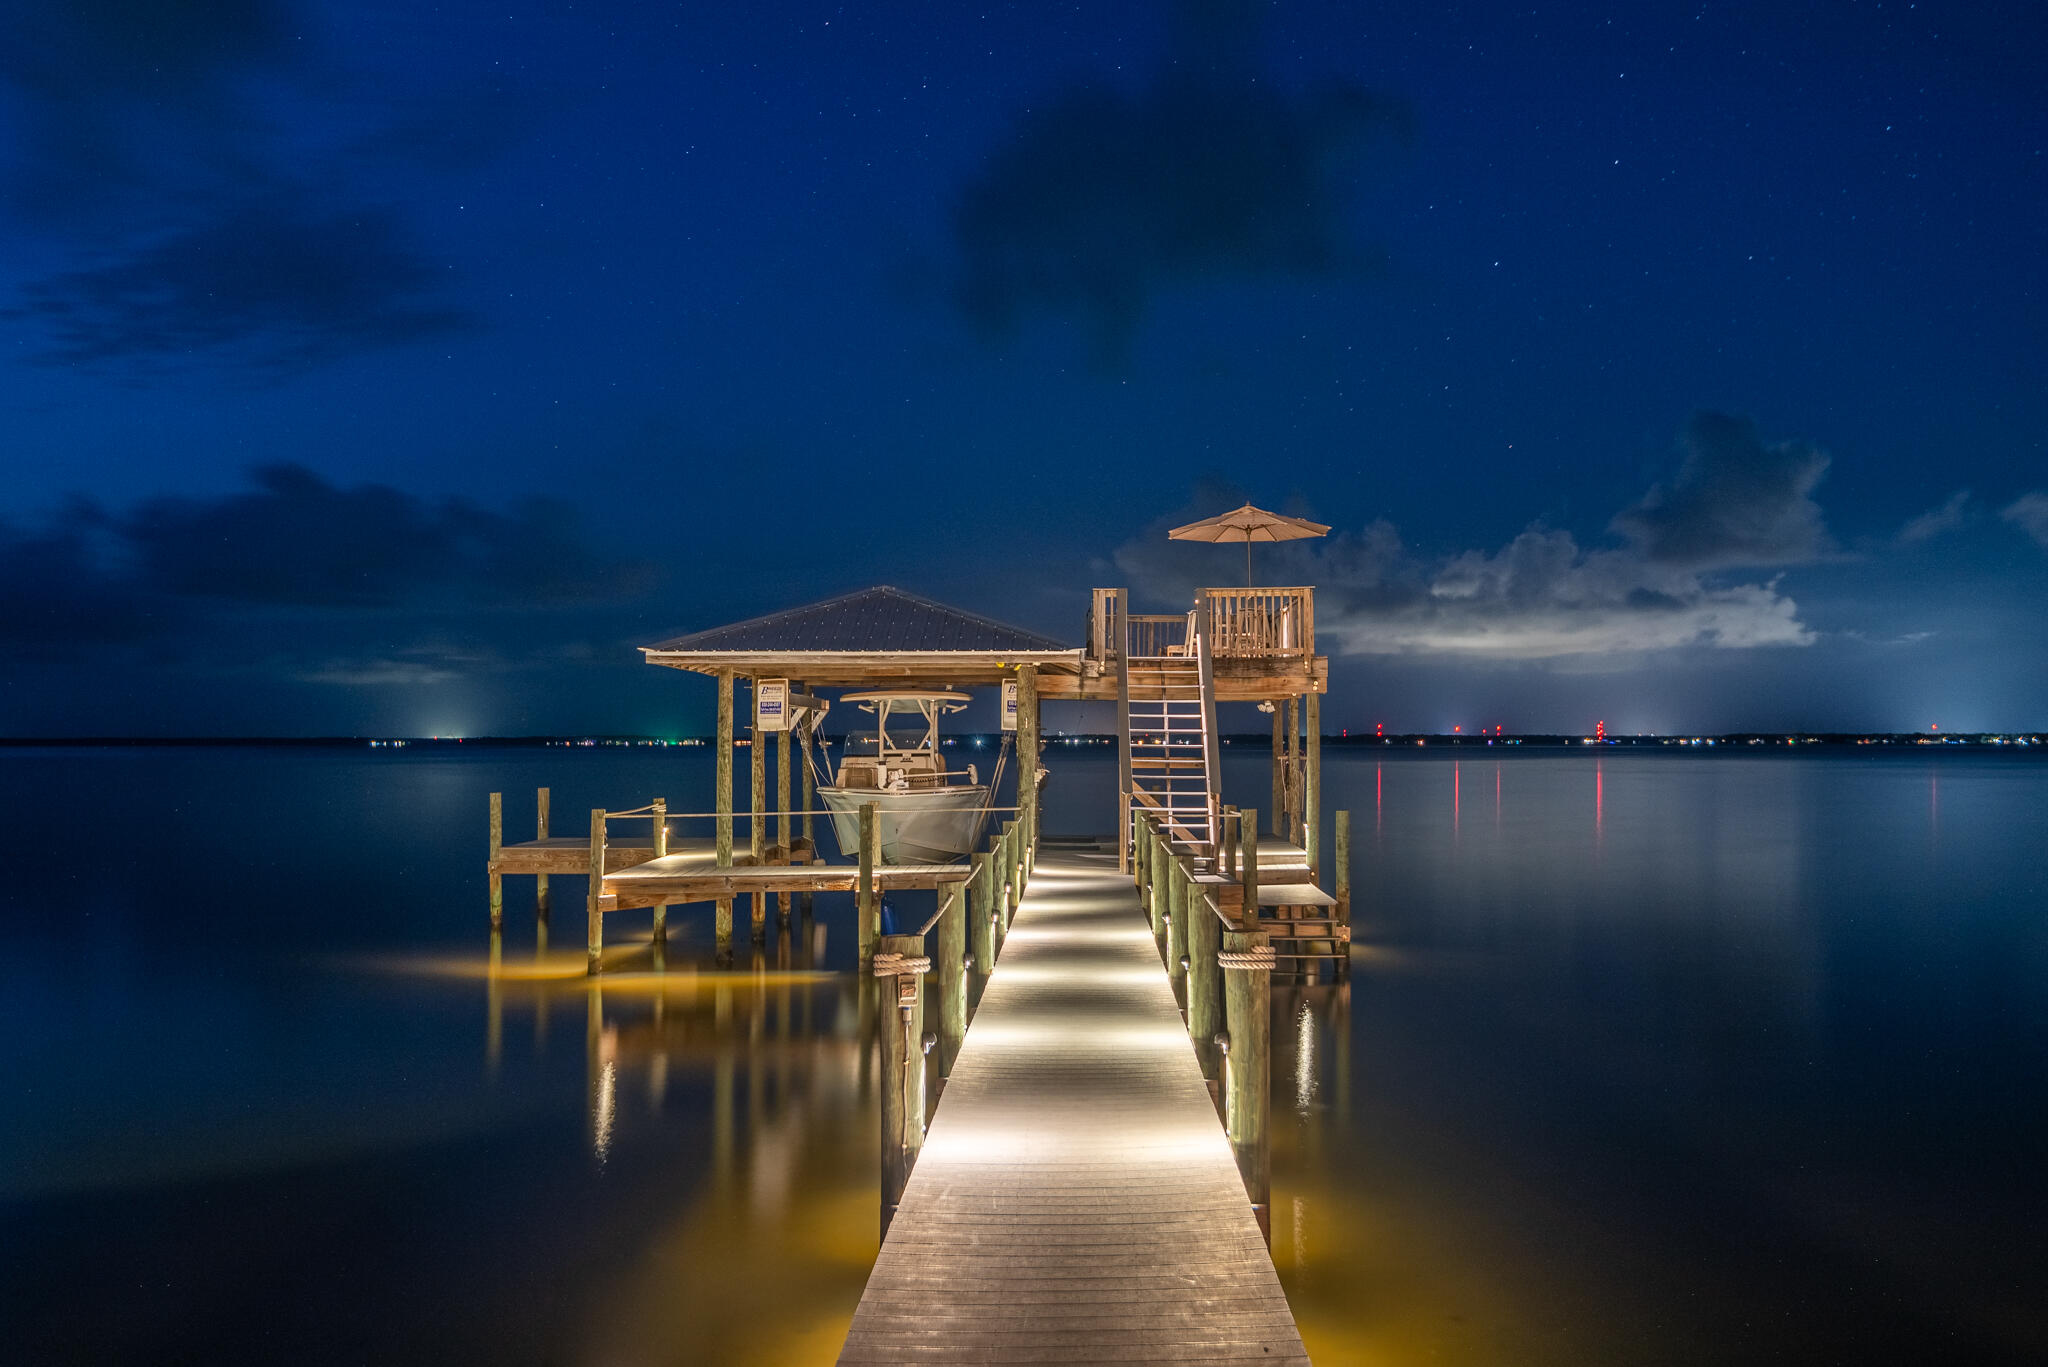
x=1645, y=1058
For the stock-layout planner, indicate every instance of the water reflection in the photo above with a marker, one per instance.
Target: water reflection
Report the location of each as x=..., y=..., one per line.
x=773, y=1063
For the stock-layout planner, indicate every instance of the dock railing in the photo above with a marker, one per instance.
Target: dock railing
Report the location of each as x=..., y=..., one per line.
x=1242, y=624
x=972, y=915
x=1277, y=623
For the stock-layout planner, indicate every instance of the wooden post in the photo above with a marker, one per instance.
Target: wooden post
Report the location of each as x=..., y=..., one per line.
x=785, y=836
x=1016, y=871
x=1205, y=984
x=1279, y=762
x=1312, y=789
x=949, y=983
x=541, y=896
x=1141, y=854
x=1342, y=911
x=1027, y=751
x=1228, y=862
x=1178, y=900
x=1160, y=861
x=757, y=804
x=497, y=880
x=1247, y=1000
x=809, y=796
x=658, y=841
x=1285, y=818
x=722, y=793
x=810, y=800
x=1248, y=867
x=902, y=1029
x=981, y=922
x=595, y=917
x=867, y=904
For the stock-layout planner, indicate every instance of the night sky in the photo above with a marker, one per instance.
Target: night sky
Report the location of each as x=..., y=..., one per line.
x=397, y=368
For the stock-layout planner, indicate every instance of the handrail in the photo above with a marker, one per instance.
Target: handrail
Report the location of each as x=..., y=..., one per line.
x=1263, y=623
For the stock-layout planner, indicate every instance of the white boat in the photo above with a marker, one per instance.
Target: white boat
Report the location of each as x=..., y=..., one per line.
x=927, y=814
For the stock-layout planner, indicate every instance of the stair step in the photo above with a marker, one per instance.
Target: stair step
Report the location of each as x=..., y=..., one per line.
x=1156, y=762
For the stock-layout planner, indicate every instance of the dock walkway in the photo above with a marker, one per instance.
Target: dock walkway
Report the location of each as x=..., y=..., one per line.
x=1076, y=1199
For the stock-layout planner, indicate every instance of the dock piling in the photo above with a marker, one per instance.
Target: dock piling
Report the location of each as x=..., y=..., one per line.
x=867, y=904
x=1247, y=962
x=659, y=842
x=497, y=844
x=1343, y=894
x=1205, y=981
x=542, y=898
x=722, y=794
x=899, y=964
x=757, y=822
x=1248, y=867
x=783, y=835
x=981, y=922
x=1179, y=910
x=1279, y=761
x=949, y=985
x=596, y=890
x=1312, y=787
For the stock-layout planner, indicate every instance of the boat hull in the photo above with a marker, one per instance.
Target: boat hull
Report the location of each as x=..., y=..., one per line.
x=942, y=826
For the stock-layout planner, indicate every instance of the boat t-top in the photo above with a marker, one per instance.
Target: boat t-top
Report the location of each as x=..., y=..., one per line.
x=927, y=814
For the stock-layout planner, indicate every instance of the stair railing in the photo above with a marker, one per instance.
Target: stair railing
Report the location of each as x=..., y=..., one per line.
x=1205, y=631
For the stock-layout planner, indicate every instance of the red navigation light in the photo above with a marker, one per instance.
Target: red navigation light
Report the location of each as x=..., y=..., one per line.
x=1457, y=728
x=1934, y=726
x=1600, y=731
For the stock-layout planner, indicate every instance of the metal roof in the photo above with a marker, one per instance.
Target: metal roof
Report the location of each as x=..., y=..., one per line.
x=877, y=619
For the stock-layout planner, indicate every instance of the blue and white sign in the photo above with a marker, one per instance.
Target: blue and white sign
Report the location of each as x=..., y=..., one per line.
x=771, y=704
x=1010, y=706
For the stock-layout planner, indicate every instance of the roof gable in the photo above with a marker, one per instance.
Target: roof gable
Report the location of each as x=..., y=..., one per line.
x=877, y=619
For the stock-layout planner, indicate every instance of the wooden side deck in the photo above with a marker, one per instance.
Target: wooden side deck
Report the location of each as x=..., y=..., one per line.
x=1076, y=1199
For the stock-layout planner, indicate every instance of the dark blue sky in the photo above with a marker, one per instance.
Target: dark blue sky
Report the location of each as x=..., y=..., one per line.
x=395, y=368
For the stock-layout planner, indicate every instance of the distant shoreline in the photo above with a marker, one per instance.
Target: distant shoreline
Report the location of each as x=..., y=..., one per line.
x=1739, y=741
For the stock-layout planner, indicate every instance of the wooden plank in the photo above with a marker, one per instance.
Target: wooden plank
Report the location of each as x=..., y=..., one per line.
x=1075, y=1198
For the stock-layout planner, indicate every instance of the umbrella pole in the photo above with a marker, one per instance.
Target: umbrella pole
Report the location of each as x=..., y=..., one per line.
x=1247, y=562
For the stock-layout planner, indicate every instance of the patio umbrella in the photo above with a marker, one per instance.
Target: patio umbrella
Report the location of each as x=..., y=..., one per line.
x=1248, y=524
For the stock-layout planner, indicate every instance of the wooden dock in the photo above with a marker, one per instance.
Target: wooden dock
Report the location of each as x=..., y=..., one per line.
x=1075, y=1199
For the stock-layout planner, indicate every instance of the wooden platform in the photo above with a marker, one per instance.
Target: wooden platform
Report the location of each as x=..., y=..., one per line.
x=1076, y=1200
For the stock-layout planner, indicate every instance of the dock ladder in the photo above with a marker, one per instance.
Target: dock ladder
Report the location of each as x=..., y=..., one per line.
x=1166, y=710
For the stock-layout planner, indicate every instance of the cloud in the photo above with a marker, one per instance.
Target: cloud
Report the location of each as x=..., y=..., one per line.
x=217, y=198
x=377, y=673
x=1543, y=596
x=1099, y=199
x=1936, y=521
x=121, y=96
x=2029, y=512
x=283, y=284
x=1734, y=502
x=294, y=563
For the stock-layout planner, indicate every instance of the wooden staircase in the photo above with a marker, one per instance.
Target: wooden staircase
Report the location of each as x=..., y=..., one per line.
x=1166, y=706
